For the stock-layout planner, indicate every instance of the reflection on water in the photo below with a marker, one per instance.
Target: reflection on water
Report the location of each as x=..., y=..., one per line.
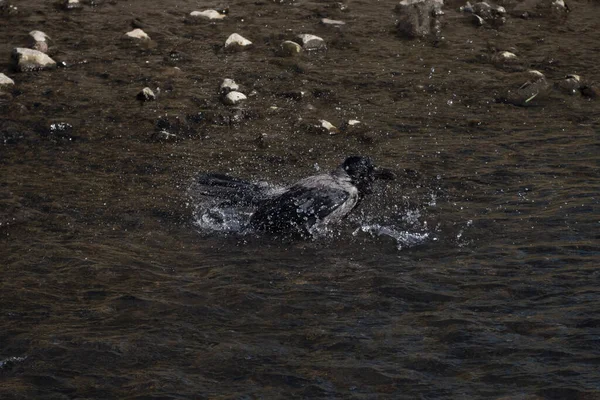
x=473, y=275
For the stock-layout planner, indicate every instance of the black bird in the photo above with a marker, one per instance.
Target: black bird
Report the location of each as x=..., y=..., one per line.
x=306, y=206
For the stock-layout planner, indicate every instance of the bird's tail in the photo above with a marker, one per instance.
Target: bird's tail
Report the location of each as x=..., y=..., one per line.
x=233, y=191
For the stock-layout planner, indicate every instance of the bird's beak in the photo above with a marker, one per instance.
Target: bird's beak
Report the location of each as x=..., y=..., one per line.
x=384, y=174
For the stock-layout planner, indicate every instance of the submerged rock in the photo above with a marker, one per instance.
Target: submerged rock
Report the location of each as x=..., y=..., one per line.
x=5, y=80
x=332, y=22
x=571, y=84
x=529, y=93
x=146, y=95
x=237, y=42
x=31, y=60
x=207, y=14
x=233, y=98
x=311, y=42
x=289, y=48
x=504, y=57
x=419, y=18
x=137, y=34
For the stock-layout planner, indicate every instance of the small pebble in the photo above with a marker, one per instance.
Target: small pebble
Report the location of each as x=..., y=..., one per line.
x=289, y=48
x=327, y=127
x=237, y=42
x=5, y=80
x=39, y=41
x=311, y=42
x=207, y=14
x=228, y=85
x=233, y=98
x=571, y=84
x=72, y=5
x=504, y=57
x=332, y=22
x=38, y=36
x=138, y=34
x=146, y=95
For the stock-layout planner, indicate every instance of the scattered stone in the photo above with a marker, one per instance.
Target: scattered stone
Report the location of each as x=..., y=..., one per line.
x=38, y=36
x=311, y=42
x=289, y=49
x=207, y=14
x=419, y=18
x=72, y=5
x=233, y=98
x=237, y=42
x=529, y=93
x=571, y=84
x=326, y=127
x=485, y=12
x=504, y=57
x=350, y=124
x=39, y=41
x=146, y=95
x=31, y=60
x=5, y=80
x=332, y=22
x=540, y=8
x=227, y=86
x=138, y=34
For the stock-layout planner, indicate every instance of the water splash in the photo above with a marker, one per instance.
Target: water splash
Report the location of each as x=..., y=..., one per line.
x=403, y=239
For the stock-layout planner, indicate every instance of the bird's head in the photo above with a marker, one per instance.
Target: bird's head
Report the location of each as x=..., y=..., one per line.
x=363, y=173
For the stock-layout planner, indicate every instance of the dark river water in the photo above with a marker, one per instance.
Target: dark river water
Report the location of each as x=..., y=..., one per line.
x=475, y=274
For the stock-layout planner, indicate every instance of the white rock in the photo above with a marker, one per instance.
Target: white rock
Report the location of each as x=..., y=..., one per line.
x=72, y=4
x=353, y=122
x=146, y=94
x=31, y=60
x=5, y=80
x=535, y=74
x=38, y=36
x=228, y=85
x=311, y=42
x=505, y=56
x=234, y=97
x=332, y=22
x=235, y=41
x=207, y=14
x=138, y=34
x=289, y=48
x=328, y=127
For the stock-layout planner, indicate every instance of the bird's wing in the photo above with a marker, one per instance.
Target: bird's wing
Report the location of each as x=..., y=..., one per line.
x=300, y=207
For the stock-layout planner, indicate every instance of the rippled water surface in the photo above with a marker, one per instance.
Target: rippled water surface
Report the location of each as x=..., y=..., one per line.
x=473, y=275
